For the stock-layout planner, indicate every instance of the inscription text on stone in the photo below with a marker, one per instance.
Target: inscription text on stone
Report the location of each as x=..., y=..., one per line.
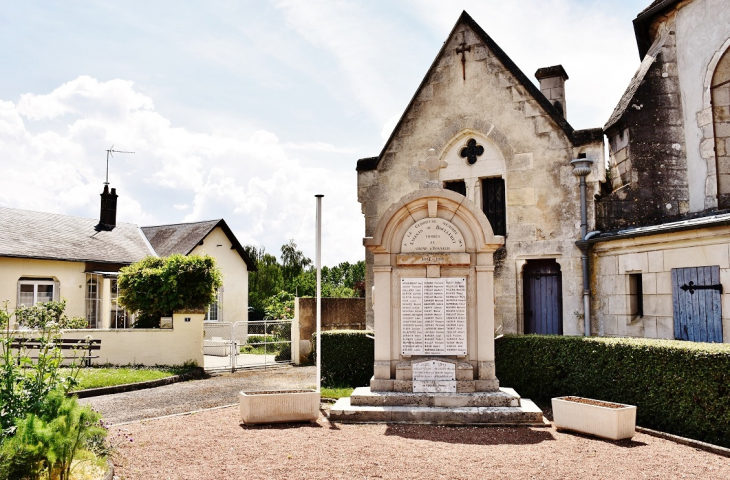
x=433, y=316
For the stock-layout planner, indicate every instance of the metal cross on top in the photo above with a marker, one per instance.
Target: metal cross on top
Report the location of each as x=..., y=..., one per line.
x=462, y=49
x=471, y=151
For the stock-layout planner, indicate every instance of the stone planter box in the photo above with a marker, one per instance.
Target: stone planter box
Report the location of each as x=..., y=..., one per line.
x=279, y=406
x=596, y=418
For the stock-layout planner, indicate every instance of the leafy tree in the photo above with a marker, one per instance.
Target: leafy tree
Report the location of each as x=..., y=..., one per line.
x=293, y=262
x=156, y=287
x=265, y=282
x=297, y=276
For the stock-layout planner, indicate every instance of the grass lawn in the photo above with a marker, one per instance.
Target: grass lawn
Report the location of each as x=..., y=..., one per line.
x=94, y=377
x=336, y=392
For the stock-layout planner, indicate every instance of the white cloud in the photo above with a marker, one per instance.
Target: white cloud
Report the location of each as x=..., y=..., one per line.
x=594, y=44
x=54, y=159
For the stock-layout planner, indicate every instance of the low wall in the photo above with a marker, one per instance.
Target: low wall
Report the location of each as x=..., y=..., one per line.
x=143, y=346
x=337, y=314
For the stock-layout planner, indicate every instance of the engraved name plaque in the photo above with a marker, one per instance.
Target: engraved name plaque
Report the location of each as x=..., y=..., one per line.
x=434, y=376
x=433, y=316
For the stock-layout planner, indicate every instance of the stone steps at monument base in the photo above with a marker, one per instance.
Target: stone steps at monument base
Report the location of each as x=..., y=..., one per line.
x=365, y=397
x=526, y=414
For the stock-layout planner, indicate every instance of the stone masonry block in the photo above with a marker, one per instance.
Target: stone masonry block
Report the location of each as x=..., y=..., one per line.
x=487, y=371
x=426, y=94
x=521, y=161
x=665, y=327
x=656, y=261
x=650, y=327
x=648, y=283
x=543, y=124
x=664, y=283
x=633, y=262
x=519, y=94
x=532, y=109
x=658, y=305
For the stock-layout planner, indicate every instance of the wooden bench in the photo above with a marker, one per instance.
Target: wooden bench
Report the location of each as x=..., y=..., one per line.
x=75, y=344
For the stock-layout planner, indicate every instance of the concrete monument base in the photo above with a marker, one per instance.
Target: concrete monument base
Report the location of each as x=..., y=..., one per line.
x=503, y=407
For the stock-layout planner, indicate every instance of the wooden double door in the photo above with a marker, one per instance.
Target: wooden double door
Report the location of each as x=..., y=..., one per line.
x=543, y=297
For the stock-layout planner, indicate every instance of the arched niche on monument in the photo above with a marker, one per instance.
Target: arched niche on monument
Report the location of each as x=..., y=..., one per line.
x=433, y=294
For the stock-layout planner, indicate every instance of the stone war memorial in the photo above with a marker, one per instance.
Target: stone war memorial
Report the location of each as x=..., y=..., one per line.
x=434, y=319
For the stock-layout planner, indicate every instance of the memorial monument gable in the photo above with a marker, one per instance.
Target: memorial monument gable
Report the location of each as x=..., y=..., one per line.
x=433, y=299
x=433, y=252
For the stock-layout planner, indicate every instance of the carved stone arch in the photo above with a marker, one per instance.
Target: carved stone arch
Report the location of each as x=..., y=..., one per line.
x=460, y=211
x=705, y=122
x=454, y=126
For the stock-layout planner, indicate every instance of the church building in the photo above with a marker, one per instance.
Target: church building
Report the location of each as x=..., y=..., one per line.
x=479, y=127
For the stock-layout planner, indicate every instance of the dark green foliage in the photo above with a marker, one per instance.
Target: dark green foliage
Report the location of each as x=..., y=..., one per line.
x=295, y=275
x=679, y=387
x=347, y=357
x=49, y=439
x=157, y=287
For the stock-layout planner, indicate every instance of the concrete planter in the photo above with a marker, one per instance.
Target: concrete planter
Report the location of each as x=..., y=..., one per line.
x=594, y=419
x=279, y=407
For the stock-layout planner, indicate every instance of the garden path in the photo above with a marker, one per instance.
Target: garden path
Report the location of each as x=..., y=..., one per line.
x=215, y=391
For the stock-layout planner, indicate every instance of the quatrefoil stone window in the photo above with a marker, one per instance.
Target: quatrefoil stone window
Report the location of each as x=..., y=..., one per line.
x=471, y=151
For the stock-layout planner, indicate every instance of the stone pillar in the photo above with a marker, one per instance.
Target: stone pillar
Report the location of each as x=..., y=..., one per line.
x=382, y=311
x=487, y=379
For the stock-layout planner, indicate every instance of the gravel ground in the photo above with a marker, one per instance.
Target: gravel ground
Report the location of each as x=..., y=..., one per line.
x=214, y=444
x=218, y=390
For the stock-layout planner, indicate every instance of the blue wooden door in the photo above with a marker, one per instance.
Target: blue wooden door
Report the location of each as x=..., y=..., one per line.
x=696, y=297
x=543, y=297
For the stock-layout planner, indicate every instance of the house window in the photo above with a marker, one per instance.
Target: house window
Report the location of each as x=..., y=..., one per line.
x=93, y=299
x=32, y=291
x=636, y=296
x=118, y=315
x=215, y=310
x=493, y=204
x=458, y=186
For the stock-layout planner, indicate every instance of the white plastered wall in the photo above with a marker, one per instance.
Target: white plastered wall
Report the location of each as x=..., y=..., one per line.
x=235, y=274
x=70, y=275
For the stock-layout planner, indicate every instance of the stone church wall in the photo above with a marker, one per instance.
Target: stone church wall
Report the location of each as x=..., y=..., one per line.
x=542, y=196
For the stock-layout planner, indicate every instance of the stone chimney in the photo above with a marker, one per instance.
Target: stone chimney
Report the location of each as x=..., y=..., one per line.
x=108, y=215
x=552, y=85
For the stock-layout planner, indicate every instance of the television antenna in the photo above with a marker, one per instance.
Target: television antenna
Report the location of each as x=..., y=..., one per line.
x=110, y=153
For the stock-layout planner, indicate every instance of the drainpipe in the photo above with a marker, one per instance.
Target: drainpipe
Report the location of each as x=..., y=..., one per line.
x=581, y=169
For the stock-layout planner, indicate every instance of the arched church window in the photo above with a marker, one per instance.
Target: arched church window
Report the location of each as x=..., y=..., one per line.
x=720, y=97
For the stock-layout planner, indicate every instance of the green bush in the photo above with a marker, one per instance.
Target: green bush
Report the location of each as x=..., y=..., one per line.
x=40, y=315
x=678, y=387
x=347, y=357
x=156, y=287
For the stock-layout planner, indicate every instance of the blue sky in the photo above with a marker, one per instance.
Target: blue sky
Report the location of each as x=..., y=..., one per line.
x=245, y=110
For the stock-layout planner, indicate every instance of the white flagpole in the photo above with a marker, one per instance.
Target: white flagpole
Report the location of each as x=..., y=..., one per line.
x=318, y=265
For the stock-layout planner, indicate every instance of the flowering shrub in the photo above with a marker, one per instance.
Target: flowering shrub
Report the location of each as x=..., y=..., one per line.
x=40, y=315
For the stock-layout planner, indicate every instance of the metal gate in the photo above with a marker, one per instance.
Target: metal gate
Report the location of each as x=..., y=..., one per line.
x=232, y=346
x=696, y=298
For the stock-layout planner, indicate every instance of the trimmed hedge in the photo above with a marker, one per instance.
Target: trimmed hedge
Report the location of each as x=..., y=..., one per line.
x=679, y=387
x=347, y=358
